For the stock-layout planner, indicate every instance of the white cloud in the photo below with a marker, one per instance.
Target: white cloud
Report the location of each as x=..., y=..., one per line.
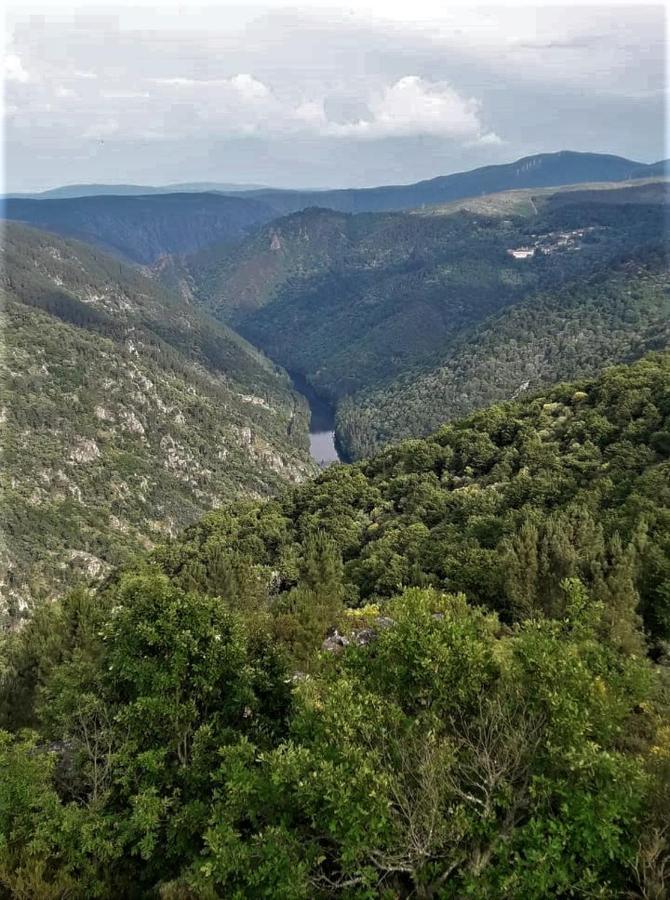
x=409, y=106
x=249, y=87
x=264, y=95
x=489, y=138
x=100, y=130
x=14, y=69
x=414, y=106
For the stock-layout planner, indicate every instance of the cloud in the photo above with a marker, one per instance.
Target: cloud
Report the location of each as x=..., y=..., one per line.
x=409, y=106
x=14, y=69
x=324, y=97
x=98, y=131
x=415, y=106
x=250, y=88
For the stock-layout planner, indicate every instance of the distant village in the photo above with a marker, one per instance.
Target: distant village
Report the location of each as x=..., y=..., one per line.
x=553, y=242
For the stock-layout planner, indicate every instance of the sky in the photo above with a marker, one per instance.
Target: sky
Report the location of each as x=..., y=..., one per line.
x=316, y=95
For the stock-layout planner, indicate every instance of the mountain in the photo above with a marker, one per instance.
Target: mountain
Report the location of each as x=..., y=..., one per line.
x=355, y=302
x=424, y=675
x=143, y=229
x=71, y=191
x=542, y=170
x=443, y=509
x=126, y=414
x=617, y=314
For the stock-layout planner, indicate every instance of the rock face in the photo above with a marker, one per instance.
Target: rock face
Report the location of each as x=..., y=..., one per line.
x=335, y=642
x=359, y=637
x=85, y=451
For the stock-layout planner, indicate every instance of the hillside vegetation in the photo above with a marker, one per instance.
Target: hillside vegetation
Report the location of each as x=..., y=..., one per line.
x=143, y=229
x=618, y=314
x=126, y=414
x=294, y=700
x=356, y=303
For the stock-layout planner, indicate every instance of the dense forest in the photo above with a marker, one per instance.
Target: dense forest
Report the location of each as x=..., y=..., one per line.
x=438, y=673
x=380, y=312
x=145, y=228
x=615, y=315
x=126, y=414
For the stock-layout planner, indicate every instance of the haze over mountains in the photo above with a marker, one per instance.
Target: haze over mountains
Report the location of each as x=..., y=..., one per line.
x=134, y=190
x=144, y=228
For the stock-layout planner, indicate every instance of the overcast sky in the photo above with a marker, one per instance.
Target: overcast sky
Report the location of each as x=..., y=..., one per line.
x=313, y=96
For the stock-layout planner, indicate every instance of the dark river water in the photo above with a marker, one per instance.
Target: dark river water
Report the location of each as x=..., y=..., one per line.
x=322, y=423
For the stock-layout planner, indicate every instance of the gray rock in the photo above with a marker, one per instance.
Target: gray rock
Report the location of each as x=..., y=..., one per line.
x=335, y=642
x=364, y=637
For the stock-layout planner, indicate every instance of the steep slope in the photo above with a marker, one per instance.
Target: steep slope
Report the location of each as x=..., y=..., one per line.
x=614, y=316
x=142, y=229
x=353, y=303
x=125, y=413
x=501, y=505
x=541, y=170
x=230, y=718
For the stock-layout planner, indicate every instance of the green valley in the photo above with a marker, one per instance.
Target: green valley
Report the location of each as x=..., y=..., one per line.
x=364, y=306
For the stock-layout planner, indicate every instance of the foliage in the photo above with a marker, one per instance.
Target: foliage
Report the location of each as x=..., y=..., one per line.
x=483, y=719
x=409, y=319
x=451, y=758
x=502, y=505
x=126, y=413
x=614, y=316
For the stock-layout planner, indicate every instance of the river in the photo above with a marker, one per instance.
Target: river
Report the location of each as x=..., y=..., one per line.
x=322, y=423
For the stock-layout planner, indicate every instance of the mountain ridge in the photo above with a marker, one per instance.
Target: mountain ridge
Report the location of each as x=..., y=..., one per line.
x=143, y=228
x=382, y=296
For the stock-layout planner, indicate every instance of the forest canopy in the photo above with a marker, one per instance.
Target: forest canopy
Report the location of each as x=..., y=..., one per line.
x=439, y=673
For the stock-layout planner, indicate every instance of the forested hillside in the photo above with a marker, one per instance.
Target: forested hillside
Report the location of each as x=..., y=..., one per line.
x=361, y=305
x=143, y=229
x=294, y=699
x=618, y=314
x=125, y=414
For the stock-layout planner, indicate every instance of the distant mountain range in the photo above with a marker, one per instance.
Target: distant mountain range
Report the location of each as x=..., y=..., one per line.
x=70, y=191
x=542, y=170
x=144, y=228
